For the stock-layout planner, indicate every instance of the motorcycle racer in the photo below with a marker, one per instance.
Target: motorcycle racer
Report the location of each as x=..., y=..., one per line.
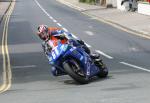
x=55, y=34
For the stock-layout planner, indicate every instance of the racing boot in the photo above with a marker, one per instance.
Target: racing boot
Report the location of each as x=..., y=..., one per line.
x=98, y=62
x=95, y=56
x=81, y=42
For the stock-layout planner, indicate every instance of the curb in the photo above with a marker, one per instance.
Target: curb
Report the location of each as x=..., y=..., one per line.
x=109, y=22
x=1, y=19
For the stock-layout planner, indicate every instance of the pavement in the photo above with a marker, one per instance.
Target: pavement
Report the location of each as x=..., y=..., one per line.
x=131, y=22
x=4, y=5
x=32, y=81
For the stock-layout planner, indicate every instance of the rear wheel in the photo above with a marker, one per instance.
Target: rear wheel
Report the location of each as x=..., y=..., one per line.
x=74, y=70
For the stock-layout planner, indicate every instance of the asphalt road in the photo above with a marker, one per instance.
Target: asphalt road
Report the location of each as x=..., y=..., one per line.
x=126, y=55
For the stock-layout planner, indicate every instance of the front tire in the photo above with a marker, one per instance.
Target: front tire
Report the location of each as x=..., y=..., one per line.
x=103, y=73
x=103, y=70
x=74, y=70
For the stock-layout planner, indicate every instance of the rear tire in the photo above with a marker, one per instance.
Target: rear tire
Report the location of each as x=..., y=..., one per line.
x=71, y=68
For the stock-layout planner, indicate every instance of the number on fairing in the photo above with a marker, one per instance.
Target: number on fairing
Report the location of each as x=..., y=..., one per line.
x=55, y=53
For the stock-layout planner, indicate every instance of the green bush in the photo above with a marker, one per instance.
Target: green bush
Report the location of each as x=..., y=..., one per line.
x=87, y=1
x=82, y=0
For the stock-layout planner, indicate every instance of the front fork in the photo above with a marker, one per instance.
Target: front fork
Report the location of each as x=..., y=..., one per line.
x=94, y=67
x=98, y=62
x=91, y=69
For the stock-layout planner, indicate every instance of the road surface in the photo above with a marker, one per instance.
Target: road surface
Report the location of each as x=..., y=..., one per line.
x=127, y=57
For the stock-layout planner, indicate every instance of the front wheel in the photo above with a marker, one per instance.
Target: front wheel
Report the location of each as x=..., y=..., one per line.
x=103, y=73
x=103, y=70
x=74, y=70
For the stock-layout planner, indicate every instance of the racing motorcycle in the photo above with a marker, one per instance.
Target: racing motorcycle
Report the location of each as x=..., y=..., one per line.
x=71, y=60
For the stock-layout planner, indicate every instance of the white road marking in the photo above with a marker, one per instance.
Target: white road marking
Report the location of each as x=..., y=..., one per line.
x=74, y=36
x=142, y=34
x=134, y=66
x=43, y=9
x=46, y=12
x=51, y=17
x=88, y=45
x=26, y=66
x=89, y=33
x=25, y=48
x=55, y=21
x=65, y=29
x=102, y=53
x=134, y=49
x=59, y=24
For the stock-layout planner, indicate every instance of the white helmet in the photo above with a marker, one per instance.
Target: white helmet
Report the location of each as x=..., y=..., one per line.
x=42, y=28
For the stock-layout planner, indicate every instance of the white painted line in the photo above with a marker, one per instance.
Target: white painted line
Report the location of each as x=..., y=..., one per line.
x=74, y=36
x=65, y=29
x=26, y=66
x=51, y=17
x=54, y=21
x=118, y=27
x=89, y=33
x=59, y=24
x=43, y=9
x=102, y=53
x=134, y=66
x=88, y=45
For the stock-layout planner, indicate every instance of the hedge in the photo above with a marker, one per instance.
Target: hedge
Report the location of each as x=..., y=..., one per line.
x=87, y=1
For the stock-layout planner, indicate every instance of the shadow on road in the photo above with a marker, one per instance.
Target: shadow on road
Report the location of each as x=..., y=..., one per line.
x=92, y=80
